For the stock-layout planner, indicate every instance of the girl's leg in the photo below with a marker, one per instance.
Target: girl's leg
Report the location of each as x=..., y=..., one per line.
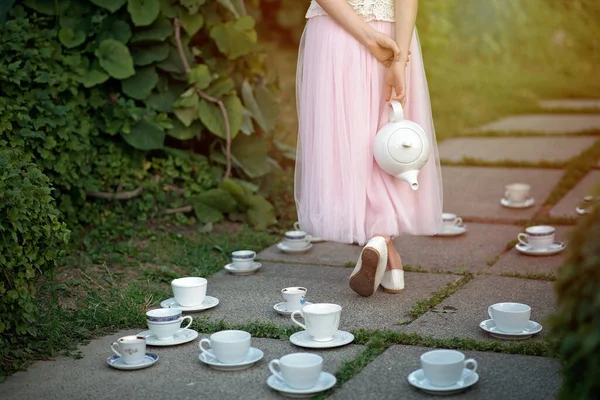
x=393, y=278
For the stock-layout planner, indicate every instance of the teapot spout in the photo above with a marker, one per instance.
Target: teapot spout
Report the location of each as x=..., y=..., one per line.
x=410, y=177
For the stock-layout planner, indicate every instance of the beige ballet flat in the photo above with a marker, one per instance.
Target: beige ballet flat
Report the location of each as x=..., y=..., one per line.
x=393, y=281
x=370, y=268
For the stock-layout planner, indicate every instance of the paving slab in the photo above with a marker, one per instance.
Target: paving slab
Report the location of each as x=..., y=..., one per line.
x=471, y=303
x=470, y=251
x=518, y=149
x=251, y=298
x=514, y=261
x=476, y=191
x=543, y=123
x=566, y=206
x=570, y=104
x=177, y=375
x=501, y=376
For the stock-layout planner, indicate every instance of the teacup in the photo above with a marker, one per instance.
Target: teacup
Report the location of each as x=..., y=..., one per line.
x=298, y=370
x=445, y=367
x=297, y=239
x=450, y=220
x=166, y=330
x=228, y=347
x=322, y=320
x=189, y=291
x=163, y=315
x=243, y=259
x=131, y=349
x=538, y=237
x=295, y=297
x=517, y=192
x=510, y=317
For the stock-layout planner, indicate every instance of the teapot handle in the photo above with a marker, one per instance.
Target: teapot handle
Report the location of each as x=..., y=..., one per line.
x=395, y=114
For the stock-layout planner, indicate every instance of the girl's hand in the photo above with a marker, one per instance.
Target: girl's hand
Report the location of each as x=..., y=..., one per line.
x=383, y=48
x=395, y=78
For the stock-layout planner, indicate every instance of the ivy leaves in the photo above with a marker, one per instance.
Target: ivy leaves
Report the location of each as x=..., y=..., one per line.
x=115, y=58
x=143, y=12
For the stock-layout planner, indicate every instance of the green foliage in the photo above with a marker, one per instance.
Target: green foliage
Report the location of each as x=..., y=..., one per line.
x=32, y=238
x=576, y=322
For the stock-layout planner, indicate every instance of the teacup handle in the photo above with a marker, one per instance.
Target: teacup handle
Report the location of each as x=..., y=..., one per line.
x=523, y=239
x=458, y=221
x=202, y=349
x=490, y=312
x=188, y=325
x=297, y=226
x=295, y=321
x=112, y=347
x=468, y=362
x=277, y=374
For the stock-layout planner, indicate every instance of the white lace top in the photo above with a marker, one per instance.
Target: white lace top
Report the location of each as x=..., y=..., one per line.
x=379, y=10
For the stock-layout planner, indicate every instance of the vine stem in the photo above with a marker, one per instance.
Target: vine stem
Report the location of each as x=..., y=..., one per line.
x=205, y=96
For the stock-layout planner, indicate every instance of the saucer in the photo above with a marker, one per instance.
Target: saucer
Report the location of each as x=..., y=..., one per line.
x=183, y=336
x=209, y=302
x=281, y=308
x=326, y=381
x=531, y=329
x=281, y=246
x=304, y=339
x=554, y=248
x=453, y=231
x=527, y=203
x=117, y=362
x=418, y=380
x=254, y=355
x=243, y=271
x=316, y=239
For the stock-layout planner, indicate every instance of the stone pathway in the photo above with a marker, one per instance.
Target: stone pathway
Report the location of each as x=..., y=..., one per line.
x=440, y=303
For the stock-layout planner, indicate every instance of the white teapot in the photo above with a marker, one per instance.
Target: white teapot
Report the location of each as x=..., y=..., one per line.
x=401, y=147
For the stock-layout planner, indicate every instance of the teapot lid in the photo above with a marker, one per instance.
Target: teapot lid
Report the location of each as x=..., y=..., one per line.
x=405, y=145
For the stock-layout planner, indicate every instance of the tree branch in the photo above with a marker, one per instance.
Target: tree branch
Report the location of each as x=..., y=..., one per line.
x=116, y=195
x=205, y=96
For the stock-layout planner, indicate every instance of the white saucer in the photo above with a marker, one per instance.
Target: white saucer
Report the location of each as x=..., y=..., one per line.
x=326, y=381
x=453, y=231
x=418, y=380
x=286, y=249
x=243, y=271
x=254, y=355
x=281, y=308
x=304, y=339
x=526, y=204
x=117, y=362
x=209, y=302
x=554, y=248
x=531, y=329
x=316, y=239
x=183, y=336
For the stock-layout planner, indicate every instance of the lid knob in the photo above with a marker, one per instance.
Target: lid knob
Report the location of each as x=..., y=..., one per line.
x=406, y=144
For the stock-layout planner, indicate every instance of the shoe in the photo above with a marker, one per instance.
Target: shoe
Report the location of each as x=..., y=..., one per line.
x=370, y=268
x=393, y=281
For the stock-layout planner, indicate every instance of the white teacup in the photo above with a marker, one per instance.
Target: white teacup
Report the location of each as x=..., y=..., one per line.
x=450, y=220
x=322, y=320
x=229, y=347
x=298, y=370
x=243, y=259
x=295, y=297
x=189, y=291
x=445, y=367
x=166, y=330
x=163, y=314
x=297, y=239
x=517, y=192
x=538, y=237
x=510, y=317
x=131, y=349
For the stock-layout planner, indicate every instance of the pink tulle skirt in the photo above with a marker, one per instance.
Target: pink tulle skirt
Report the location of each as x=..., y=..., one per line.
x=341, y=193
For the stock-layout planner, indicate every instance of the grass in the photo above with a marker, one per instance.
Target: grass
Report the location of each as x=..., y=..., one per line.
x=422, y=306
x=531, y=275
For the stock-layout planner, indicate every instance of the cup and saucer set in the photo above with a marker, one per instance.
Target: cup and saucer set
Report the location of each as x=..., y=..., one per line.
x=452, y=225
x=539, y=241
x=444, y=372
x=242, y=263
x=295, y=299
x=585, y=207
x=229, y=350
x=510, y=321
x=189, y=294
x=297, y=241
x=517, y=195
x=299, y=375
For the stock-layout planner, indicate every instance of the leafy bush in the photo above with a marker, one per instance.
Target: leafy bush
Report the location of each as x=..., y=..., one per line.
x=576, y=322
x=32, y=238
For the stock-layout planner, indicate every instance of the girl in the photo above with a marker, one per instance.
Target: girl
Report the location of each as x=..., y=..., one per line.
x=353, y=59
